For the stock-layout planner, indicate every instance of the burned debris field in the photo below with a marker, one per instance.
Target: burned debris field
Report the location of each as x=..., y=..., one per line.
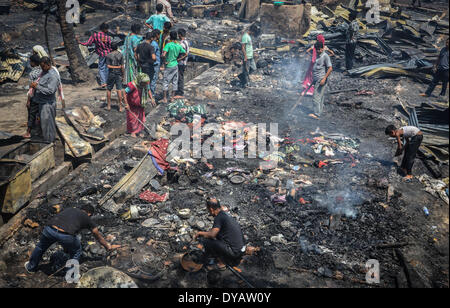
x=323, y=198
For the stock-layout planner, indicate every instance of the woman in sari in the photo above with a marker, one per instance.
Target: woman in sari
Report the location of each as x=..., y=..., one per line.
x=308, y=89
x=137, y=96
x=131, y=42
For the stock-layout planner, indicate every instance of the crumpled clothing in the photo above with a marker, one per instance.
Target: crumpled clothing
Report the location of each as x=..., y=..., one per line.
x=274, y=156
x=152, y=197
x=175, y=110
x=158, y=152
x=434, y=187
x=278, y=198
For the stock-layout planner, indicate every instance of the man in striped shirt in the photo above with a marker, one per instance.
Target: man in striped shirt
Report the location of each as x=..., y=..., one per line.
x=102, y=43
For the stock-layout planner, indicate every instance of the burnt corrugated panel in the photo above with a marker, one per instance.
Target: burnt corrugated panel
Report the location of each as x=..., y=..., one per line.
x=433, y=121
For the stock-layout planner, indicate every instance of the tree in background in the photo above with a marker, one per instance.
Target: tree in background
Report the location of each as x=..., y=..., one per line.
x=79, y=71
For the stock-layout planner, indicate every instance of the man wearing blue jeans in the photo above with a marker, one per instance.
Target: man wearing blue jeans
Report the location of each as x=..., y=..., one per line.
x=157, y=64
x=102, y=42
x=62, y=229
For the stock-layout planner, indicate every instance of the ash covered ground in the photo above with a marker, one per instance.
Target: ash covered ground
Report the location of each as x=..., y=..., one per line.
x=344, y=213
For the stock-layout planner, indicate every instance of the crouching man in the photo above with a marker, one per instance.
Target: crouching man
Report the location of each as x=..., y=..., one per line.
x=225, y=240
x=413, y=137
x=63, y=229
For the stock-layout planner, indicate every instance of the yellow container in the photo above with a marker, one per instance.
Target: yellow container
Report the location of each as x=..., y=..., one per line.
x=39, y=155
x=15, y=185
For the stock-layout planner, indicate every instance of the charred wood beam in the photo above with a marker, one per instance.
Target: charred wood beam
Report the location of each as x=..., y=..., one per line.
x=391, y=245
x=430, y=165
x=413, y=278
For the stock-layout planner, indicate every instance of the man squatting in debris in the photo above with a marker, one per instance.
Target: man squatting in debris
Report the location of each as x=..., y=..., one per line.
x=225, y=240
x=249, y=65
x=172, y=53
x=414, y=138
x=102, y=43
x=321, y=71
x=45, y=89
x=440, y=72
x=116, y=73
x=63, y=229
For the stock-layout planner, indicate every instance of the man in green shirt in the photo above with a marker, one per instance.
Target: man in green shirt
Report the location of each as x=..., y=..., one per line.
x=172, y=53
x=249, y=64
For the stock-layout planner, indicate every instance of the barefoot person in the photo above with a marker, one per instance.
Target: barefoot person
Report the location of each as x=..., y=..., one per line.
x=45, y=89
x=321, y=71
x=114, y=60
x=225, y=240
x=131, y=42
x=414, y=138
x=32, y=106
x=62, y=229
x=137, y=96
x=308, y=87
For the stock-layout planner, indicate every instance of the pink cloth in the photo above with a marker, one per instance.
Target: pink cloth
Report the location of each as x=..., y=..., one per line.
x=309, y=75
x=321, y=38
x=159, y=152
x=134, y=101
x=152, y=197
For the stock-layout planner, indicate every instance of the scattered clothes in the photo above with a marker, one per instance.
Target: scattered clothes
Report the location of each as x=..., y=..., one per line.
x=153, y=197
x=280, y=199
x=158, y=152
x=434, y=187
x=183, y=112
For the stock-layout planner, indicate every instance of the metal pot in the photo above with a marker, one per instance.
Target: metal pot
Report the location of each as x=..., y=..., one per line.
x=188, y=264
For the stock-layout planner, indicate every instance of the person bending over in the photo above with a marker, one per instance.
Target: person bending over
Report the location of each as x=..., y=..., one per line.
x=62, y=229
x=413, y=137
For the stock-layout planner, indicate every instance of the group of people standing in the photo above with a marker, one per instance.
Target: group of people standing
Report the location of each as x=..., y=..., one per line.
x=139, y=64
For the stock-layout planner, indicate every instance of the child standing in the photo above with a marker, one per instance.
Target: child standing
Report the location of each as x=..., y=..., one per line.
x=156, y=21
x=182, y=62
x=114, y=61
x=32, y=106
x=157, y=64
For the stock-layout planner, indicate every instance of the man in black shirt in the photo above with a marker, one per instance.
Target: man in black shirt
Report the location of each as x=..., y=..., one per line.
x=63, y=229
x=440, y=70
x=146, y=56
x=225, y=240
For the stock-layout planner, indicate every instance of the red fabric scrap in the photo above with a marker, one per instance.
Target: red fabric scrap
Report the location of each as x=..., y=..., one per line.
x=159, y=152
x=152, y=197
x=322, y=164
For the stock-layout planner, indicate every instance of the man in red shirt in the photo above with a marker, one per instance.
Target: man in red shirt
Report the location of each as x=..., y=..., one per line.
x=102, y=43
